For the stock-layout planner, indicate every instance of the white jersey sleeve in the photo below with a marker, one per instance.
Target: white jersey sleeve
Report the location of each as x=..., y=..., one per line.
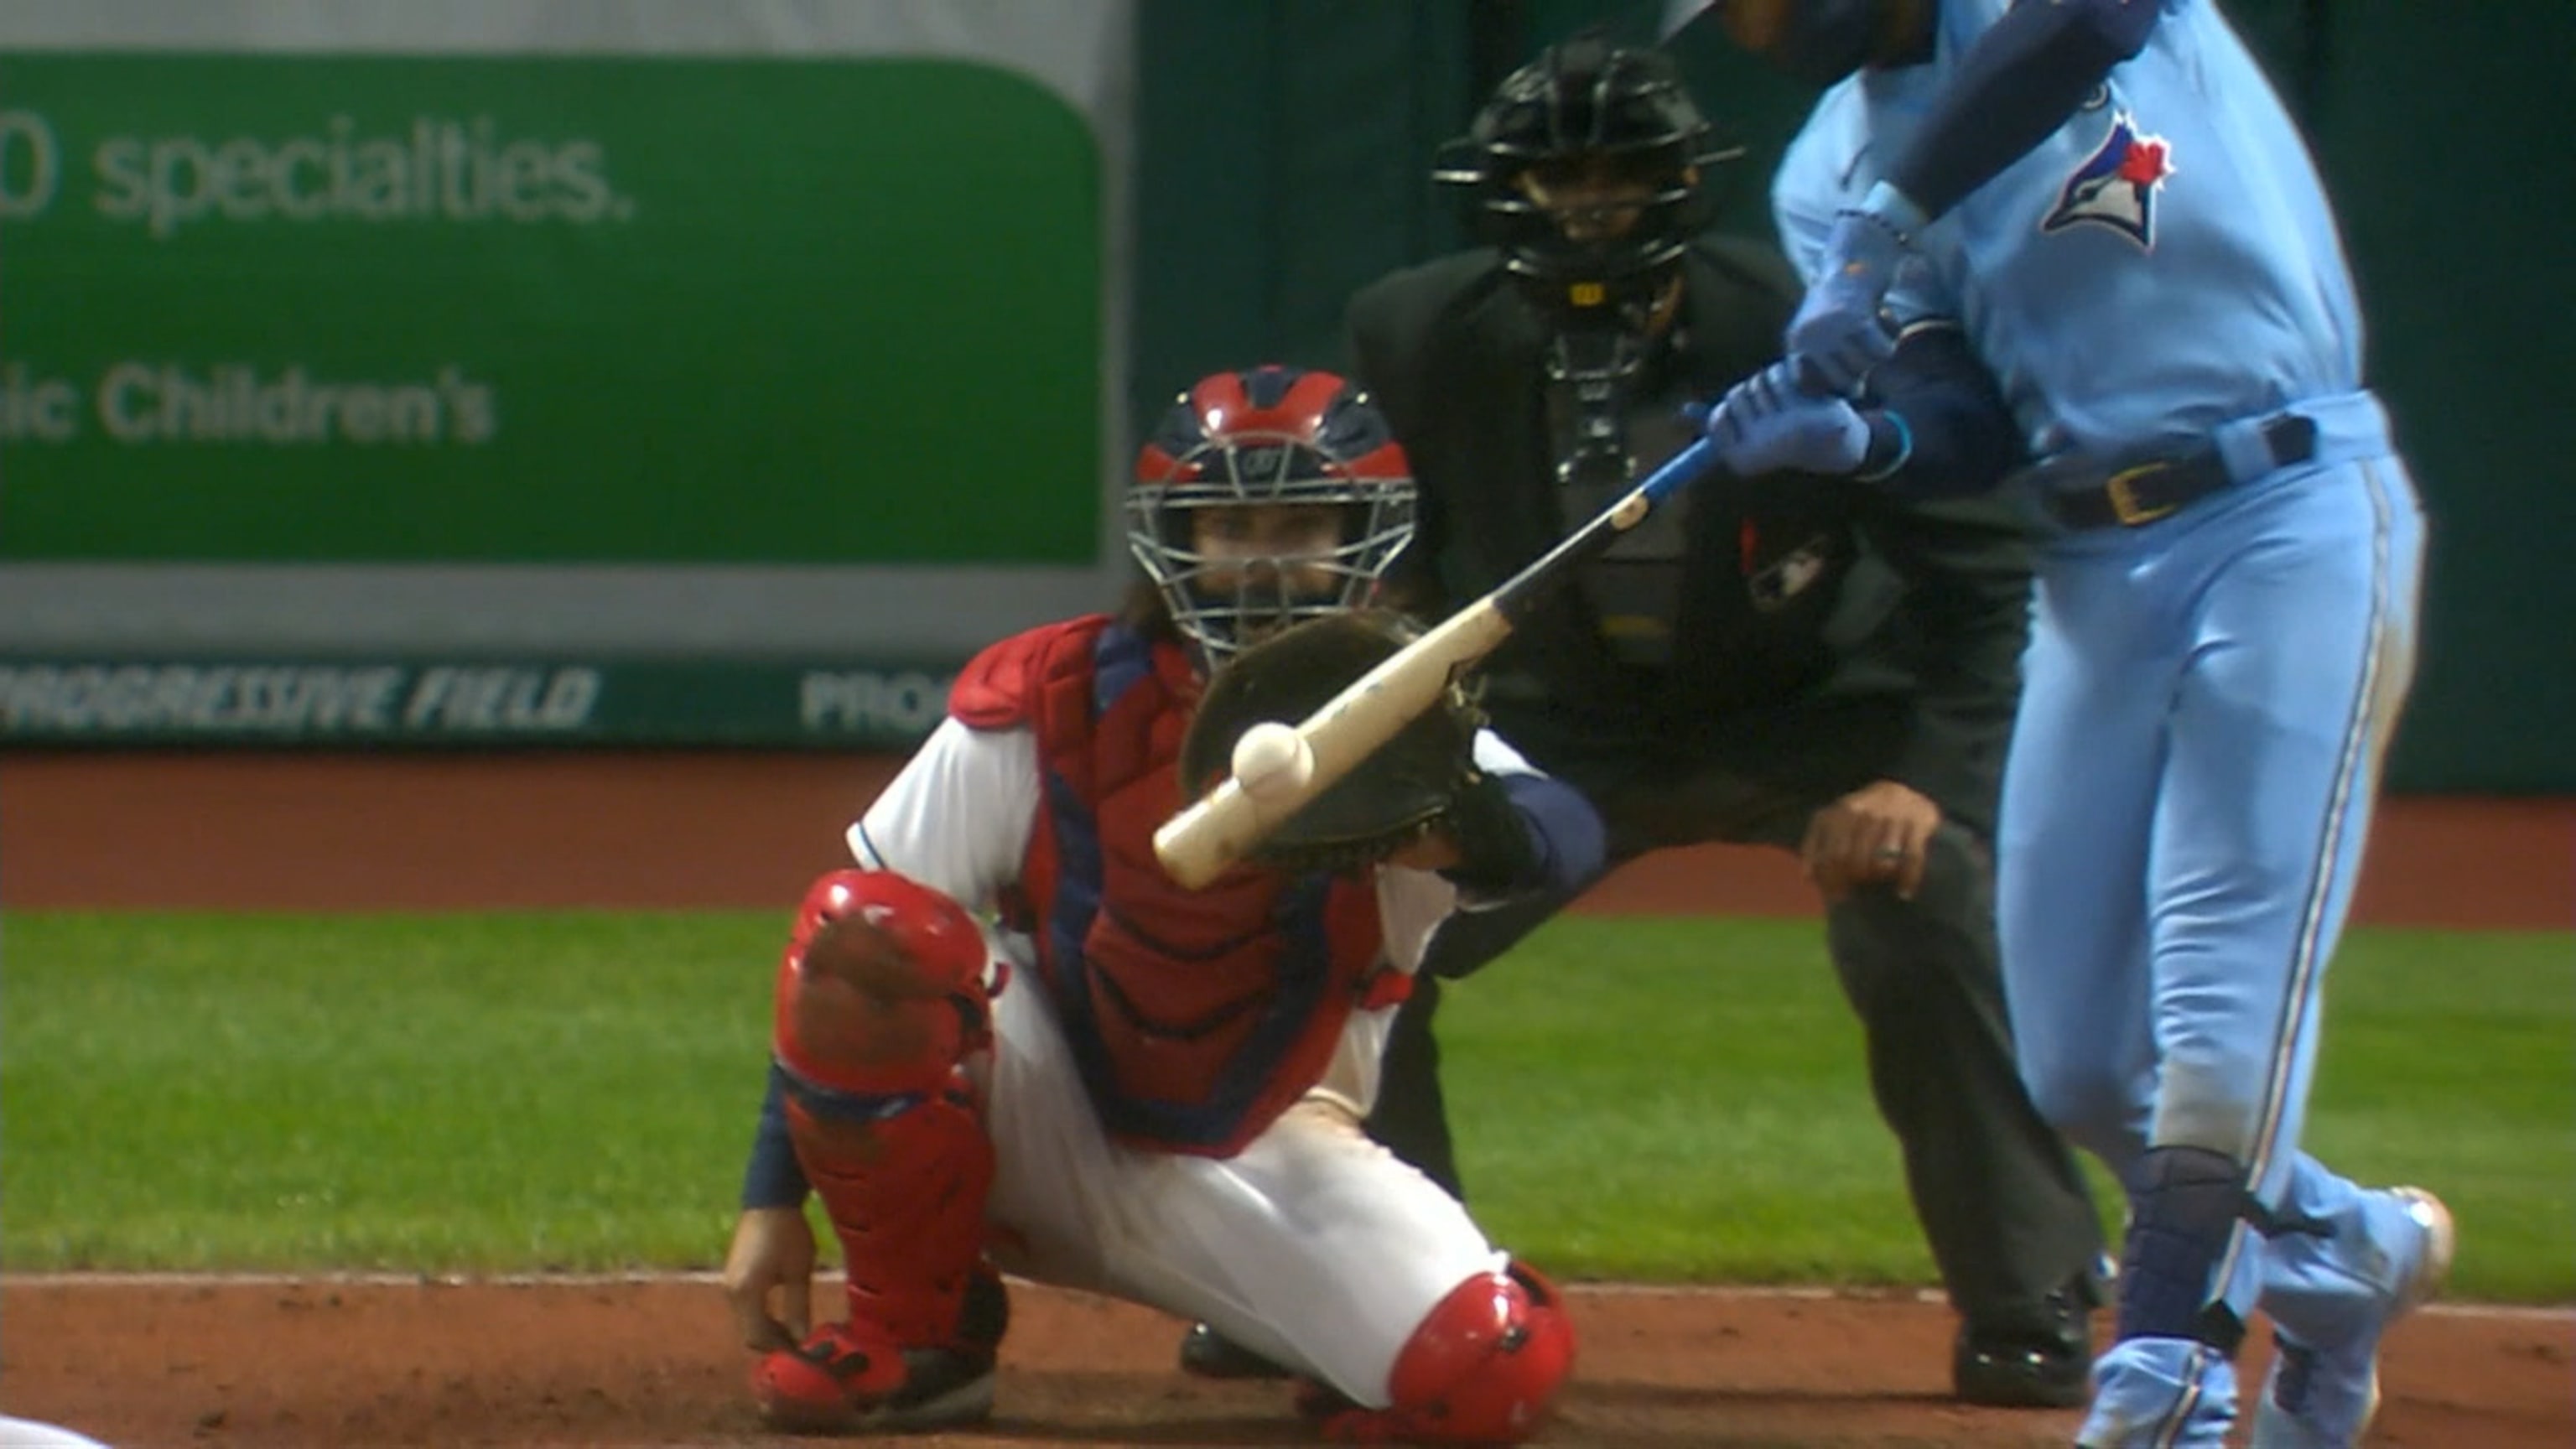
x=1411, y=905
x=1495, y=756
x=959, y=816
x=1350, y=1079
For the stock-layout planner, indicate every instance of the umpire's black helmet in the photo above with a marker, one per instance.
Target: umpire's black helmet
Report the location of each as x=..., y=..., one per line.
x=1617, y=112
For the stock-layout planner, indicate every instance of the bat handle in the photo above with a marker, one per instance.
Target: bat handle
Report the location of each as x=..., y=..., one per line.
x=1678, y=470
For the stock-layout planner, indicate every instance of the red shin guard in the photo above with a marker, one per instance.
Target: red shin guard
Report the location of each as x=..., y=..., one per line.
x=880, y=999
x=906, y=1200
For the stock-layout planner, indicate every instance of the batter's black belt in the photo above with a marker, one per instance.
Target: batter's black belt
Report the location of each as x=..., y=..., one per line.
x=2086, y=493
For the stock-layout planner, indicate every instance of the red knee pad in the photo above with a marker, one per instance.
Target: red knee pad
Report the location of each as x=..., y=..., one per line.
x=881, y=990
x=1484, y=1366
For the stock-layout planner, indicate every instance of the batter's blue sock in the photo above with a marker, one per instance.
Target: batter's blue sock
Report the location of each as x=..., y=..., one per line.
x=2185, y=1203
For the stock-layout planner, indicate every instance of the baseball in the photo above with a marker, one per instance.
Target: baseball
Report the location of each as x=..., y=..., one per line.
x=1272, y=759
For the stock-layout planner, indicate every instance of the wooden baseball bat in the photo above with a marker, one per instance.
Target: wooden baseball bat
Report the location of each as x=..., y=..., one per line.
x=1197, y=845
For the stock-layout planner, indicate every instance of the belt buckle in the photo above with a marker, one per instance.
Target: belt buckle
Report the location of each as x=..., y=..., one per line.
x=2121, y=488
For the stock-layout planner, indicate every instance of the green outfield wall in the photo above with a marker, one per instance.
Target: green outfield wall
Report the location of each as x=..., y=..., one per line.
x=293, y=308
x=598, y=373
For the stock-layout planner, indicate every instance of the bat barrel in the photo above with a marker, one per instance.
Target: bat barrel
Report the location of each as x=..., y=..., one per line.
x=1199, y=844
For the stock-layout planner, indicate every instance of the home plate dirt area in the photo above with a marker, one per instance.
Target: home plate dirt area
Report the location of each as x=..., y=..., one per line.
x=650, y=1363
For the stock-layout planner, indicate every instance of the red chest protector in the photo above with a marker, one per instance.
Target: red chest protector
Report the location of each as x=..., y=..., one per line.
x=1195, y=1017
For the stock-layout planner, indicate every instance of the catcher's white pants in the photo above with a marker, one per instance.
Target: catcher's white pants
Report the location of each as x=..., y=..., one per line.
x=28, y=1434
x=1313, y=1246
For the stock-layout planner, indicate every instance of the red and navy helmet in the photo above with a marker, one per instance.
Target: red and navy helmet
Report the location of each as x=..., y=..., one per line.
x=1268, y=437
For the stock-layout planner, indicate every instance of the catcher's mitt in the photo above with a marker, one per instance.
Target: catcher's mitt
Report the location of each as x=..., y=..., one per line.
x=1410, y=786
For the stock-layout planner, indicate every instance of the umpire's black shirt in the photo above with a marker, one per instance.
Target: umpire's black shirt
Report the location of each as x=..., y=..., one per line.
x=1786, y=590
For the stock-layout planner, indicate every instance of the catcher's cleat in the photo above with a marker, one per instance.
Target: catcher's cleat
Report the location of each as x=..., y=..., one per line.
x=1318, y=1402
x=1340, y=1419
x=1208, y=1354
x=837, y=1382
x=852, y=1379
x=2324, y=1391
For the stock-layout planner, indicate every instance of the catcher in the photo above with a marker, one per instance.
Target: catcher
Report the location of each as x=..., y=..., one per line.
x=1121, y=1086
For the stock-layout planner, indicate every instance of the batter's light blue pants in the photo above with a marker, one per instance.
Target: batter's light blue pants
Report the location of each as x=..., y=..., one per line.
x=2207, y=699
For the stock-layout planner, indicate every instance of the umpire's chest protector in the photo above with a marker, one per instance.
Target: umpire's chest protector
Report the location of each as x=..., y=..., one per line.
x=1196, y=1017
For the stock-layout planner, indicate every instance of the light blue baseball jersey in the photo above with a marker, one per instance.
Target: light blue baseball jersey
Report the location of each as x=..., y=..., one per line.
x=2181, y=192
x=2207, y=696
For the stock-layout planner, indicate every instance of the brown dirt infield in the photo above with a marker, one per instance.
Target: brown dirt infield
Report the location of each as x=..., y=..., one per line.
x=328, y=1363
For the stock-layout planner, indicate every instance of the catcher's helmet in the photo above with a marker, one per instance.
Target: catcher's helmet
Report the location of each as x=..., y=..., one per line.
x=1270, y=437
x=1624, y=114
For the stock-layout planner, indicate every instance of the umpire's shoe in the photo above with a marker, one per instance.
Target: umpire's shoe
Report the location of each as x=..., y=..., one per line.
x=1208, y=1354
x=2039, y=1360
x=849, y=1380
x=2324, y=1386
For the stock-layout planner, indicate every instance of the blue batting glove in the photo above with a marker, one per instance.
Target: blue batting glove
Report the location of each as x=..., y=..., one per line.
x=1837, y=336
x=1768, y=424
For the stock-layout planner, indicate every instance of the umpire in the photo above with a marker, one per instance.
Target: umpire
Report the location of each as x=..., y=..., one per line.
x=1810, y=657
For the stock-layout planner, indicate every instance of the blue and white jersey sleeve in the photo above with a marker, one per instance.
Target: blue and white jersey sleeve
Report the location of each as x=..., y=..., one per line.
x=1809, y=186
x=1960, y=22
x=1829, y=165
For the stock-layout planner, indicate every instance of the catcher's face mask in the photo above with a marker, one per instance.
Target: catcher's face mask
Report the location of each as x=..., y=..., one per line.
x=1267, y=498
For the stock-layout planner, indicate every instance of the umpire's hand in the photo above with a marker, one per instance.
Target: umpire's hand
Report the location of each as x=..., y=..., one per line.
x=1879, y=832
x=773, y=1251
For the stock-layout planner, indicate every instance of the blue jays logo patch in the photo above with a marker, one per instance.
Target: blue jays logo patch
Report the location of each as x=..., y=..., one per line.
x=2116, y=186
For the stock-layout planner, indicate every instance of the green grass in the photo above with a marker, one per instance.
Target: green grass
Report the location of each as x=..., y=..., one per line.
x=1685, y=1099
x=487, y=1091
x=573, y=1090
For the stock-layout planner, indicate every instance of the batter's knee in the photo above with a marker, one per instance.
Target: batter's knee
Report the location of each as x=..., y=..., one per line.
x=882, y=989
x=1485, y=1364
x=2211, y=1099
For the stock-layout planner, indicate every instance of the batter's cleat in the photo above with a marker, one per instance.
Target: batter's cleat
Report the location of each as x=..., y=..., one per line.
x=2323, y=1389
x=1208, y=1354
x=2160, y=1393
